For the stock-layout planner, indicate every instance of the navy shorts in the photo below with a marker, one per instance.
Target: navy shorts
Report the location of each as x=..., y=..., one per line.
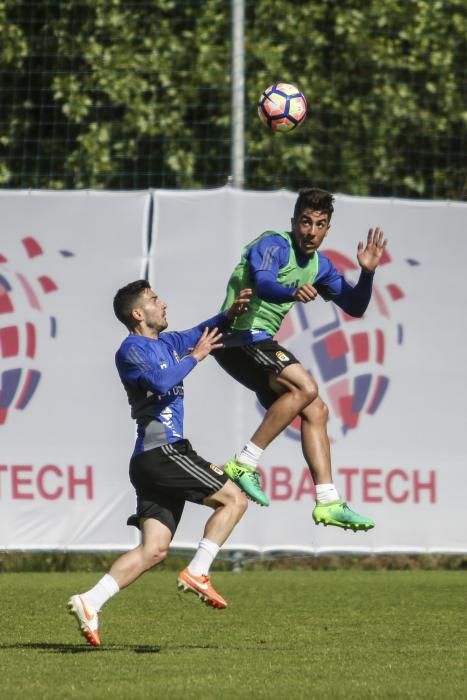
x=167, y=476
x=252, y=365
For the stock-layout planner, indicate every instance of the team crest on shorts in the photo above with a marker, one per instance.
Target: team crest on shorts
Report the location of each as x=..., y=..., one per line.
x=216, y=469
x=282, y=356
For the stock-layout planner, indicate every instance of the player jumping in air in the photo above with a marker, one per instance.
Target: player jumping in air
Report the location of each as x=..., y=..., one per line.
x=284, y=268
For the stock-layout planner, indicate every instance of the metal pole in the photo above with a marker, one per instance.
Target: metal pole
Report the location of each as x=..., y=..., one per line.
x=237, y=165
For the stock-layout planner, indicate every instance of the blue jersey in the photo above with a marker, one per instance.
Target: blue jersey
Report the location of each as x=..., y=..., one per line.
x=270, y=254
x=152, y=371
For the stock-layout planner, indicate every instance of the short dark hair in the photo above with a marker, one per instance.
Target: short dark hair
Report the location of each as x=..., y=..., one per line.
x=125, y=301
x=315, y=199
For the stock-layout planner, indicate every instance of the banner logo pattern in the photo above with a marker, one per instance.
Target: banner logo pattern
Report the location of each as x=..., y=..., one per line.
x=346, y=355
x=23, y=323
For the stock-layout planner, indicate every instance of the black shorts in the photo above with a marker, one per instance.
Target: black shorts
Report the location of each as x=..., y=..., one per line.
x=165, y=477
x=252, y=365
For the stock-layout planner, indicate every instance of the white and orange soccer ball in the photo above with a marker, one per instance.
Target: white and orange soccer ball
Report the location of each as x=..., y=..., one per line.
x=282, y=107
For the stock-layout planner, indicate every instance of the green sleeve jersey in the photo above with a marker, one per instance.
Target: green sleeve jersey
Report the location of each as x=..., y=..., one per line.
x=265, y=315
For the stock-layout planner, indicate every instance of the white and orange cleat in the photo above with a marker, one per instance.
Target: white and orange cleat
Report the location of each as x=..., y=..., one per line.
x=202, y=586
x=88, y=619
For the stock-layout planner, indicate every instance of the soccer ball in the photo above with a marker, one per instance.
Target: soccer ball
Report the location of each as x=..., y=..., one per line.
x=282, y=107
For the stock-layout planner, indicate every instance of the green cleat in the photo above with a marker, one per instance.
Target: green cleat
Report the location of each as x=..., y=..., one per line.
x=339, y=514
x=247, y=479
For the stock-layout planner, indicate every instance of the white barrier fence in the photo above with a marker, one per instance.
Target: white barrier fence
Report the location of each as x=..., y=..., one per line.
x=394, y=380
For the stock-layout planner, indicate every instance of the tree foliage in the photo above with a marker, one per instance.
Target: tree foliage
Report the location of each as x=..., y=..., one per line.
x=118, y=94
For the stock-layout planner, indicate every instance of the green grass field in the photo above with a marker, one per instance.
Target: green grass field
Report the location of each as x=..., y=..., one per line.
x=286, y=634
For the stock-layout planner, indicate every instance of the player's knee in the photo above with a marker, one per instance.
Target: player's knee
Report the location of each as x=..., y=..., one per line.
x=237, y=501
x=308, y=392
x=154, y=555
x=322, y=410
x=241, y=504
x=317, y=411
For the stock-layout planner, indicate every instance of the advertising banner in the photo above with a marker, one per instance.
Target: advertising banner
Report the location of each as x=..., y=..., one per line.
x=65, y=432
x=394, y=380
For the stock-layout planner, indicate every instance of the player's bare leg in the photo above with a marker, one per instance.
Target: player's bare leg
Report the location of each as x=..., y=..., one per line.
x=315, y=441
x=229, y=504
x=295, y=389
x=329, y=509
x=156, y=538
x=125, y=570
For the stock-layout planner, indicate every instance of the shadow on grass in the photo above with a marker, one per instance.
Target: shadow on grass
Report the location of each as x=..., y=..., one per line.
x=80, y=649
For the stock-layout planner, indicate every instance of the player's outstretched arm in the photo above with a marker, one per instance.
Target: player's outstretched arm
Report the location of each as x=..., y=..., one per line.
x=369, y=256
x=185, y=341
x=210, y=340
